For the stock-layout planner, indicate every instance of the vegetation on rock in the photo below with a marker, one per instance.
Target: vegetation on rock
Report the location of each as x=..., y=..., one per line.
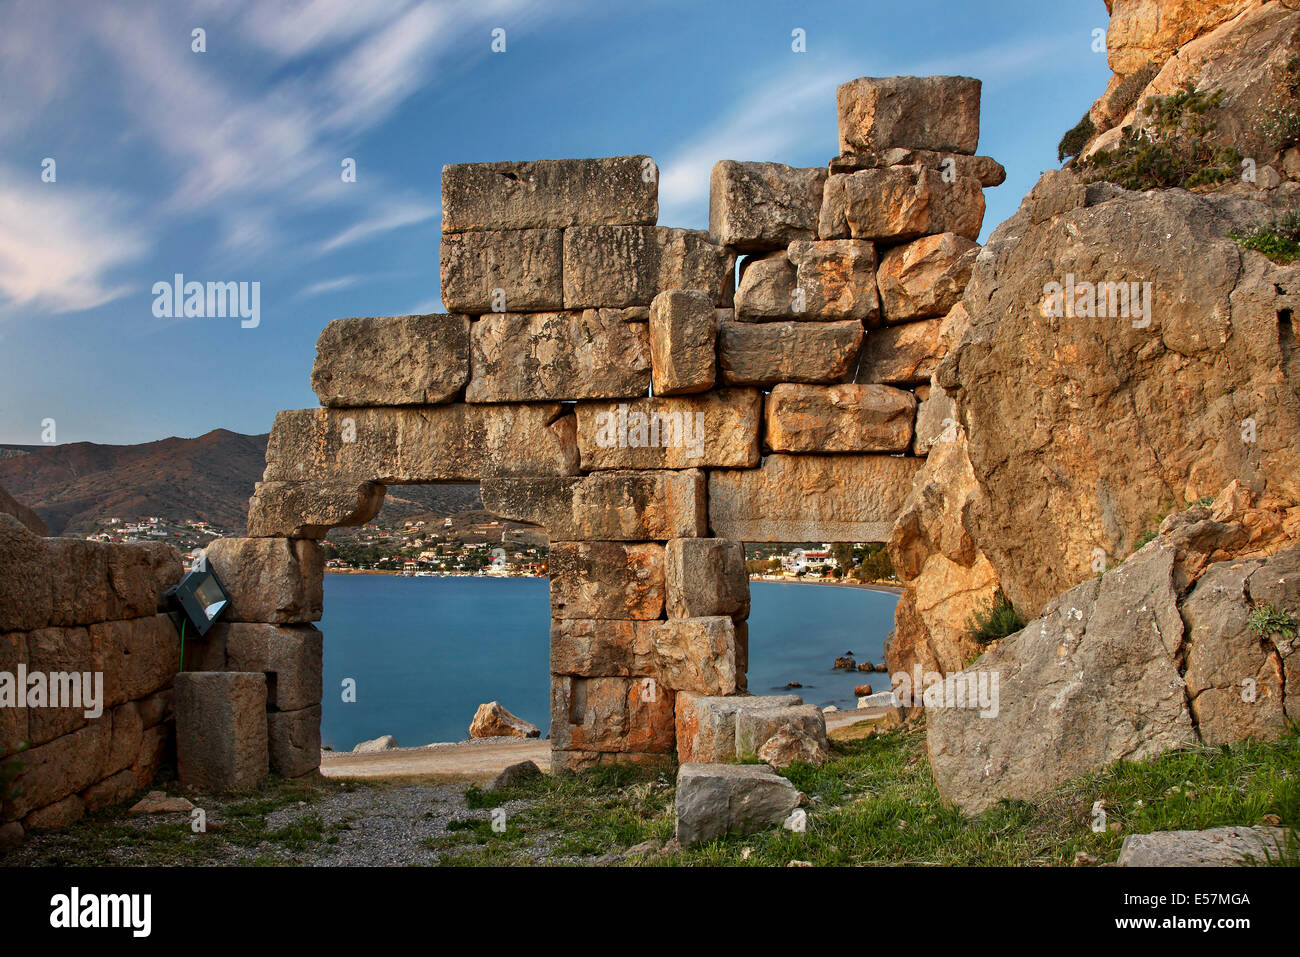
x=1175, y=151
x=1073, y=142
x=996, y=618
x=1279, y=240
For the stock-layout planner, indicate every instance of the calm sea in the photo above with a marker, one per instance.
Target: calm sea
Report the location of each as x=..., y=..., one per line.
x=426, y=652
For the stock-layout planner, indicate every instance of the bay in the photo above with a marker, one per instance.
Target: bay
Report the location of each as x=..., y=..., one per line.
x=426, y=652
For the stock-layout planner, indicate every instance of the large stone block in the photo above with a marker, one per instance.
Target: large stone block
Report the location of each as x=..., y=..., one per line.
x=60, y=656
x=620, y=266
x=221, y=730
x=706, y=577
x=755, y=726
x=26, y=593
x=811, y=498
x=591, y=354
x=610, y=191
x=138, y=657
x=391, y=360
x=718, y=429
x=618, y=505
x=290, y=657
x=126, y=737
x=515, y=270
x=899, y=203
x=13, y=721
x=770, y=352
x=611, y=715
x=97, y=581
x=50, y=772
x=606, y=580
x=925, y=277
x=714, y=800
x=905, y=354
x=311, y=509
x=836, y=279
x=706, y=724
x=600, y=647
x=276, y=580
x=683, y=341
x=936, y=418
x=1092, y=680
x=838, y=418
x=697, y=654
x=293, y=741
x=446, y=443
x=761, y=206
x=940, y=113
x=766, y=289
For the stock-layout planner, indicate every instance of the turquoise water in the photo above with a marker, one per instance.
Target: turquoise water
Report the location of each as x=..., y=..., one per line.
x=426, y=652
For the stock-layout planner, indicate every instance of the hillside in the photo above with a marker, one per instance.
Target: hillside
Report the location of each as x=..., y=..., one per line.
x=209, y=478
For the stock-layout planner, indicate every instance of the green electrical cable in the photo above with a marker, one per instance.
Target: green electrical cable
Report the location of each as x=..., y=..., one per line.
x=182, y=668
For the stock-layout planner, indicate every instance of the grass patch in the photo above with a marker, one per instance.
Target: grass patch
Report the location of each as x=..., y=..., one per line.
x=1268, y=620
x=1279, y=240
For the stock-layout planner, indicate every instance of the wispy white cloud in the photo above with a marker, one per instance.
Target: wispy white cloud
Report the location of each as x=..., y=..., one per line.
x=395, y=217
x=328, y=285
x=60, y=244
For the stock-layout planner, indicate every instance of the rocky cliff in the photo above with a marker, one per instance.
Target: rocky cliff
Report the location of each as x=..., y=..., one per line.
x=1128, y=360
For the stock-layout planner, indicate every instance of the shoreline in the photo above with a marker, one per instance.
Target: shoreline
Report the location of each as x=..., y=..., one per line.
x=869, y=586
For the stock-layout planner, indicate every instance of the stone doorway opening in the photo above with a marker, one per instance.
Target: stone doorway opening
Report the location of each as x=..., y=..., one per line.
x=431, y=608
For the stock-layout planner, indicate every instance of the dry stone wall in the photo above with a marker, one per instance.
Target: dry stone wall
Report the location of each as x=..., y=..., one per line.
x=86, y=617
x=605, y=377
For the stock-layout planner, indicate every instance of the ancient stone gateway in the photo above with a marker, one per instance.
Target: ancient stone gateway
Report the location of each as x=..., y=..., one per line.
x=600, y=376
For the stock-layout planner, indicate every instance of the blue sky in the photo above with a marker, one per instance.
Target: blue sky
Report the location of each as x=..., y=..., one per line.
x=225, y=165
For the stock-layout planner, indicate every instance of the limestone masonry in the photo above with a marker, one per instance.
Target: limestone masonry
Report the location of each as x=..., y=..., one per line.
x=607, y=378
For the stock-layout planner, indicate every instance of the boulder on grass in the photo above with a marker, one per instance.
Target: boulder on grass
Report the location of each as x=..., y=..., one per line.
x=718, y=799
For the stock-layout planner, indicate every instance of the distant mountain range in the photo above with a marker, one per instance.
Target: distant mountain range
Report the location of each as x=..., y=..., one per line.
x=210, y=478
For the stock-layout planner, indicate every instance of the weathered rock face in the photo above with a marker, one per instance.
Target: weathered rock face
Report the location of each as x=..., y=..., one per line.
x=940, y=113
x=1203, y=379
x=899, y=203
x=766, y=289
x=756, y=726
x=492, y=720
x=706, y=577
x=592, y=354
x=766, y=353
x=1091, y=681
x=789, y=746
x=1152, y=30
x=392, y=360
x=718, y=799
x=1213, y=847
x=616, y=505
x=451, y=443
x=934, y=553
x=311, y=509
x=547, y=194
x=926, y=277
x=1244, y=58
x=906, y=354
x=291, y=655
x=1242, y=684
x=715, y=430
x=838, y=418
x=803, y=498
x=760, y=206
x=293, y=741
x=606, y=580
x=25, y=590
x=697, y=654
x=512, y=270
x=620, y=266
x=683, y=340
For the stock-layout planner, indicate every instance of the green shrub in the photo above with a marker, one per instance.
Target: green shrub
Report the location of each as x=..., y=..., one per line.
x=1073, y=142
x=1124, y=97
x=1268, y=620
x=996, y=618
x=1174, y=152
x=1279, y=240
